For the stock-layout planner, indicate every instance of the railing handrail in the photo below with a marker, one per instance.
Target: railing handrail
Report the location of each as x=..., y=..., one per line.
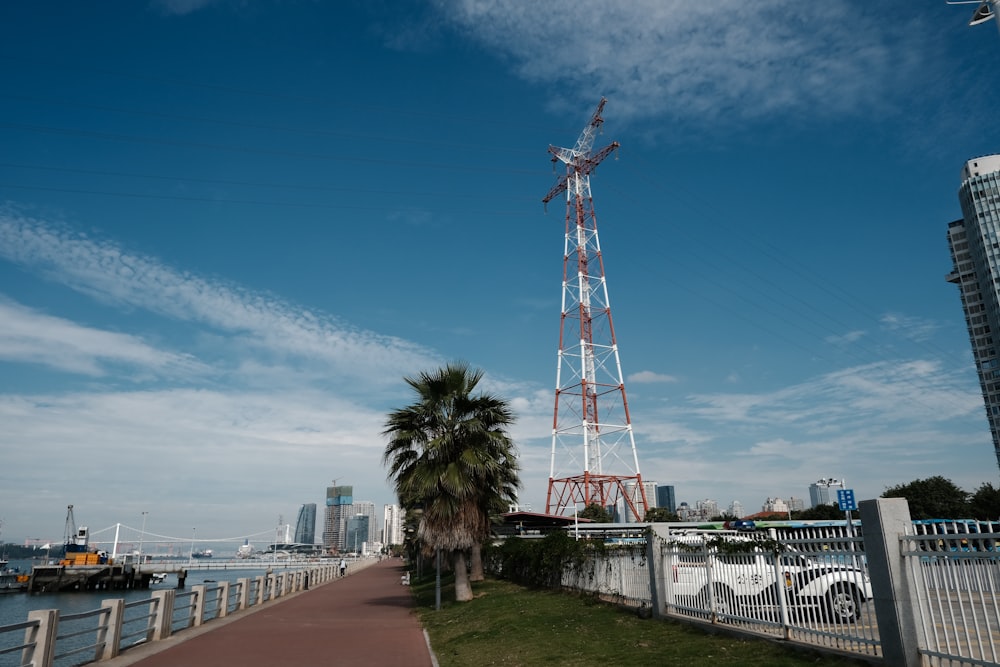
x=41, y=647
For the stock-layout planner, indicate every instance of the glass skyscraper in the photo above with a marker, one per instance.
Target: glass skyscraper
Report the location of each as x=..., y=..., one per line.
x=305, y=525
x=974, y=242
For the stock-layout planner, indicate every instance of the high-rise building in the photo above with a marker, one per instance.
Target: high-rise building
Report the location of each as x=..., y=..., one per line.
x=367, y=508
x=820, y=491
x=665, y=498
x=339, y=501
x=392, y=532
x=974, y=242
x=358, y=527
x=736, y=509
x=305, y=525
x=632, y=490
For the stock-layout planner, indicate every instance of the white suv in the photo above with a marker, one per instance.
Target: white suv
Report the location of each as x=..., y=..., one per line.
x=747, y=577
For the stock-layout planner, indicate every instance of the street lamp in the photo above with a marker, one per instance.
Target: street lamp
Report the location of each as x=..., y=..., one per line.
x=191, y=553
x=987, y=9
x=142, y=534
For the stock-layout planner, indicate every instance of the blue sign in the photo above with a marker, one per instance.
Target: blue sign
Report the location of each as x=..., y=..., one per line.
x=845, y=498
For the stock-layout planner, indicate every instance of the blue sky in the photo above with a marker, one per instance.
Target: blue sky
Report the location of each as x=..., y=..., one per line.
x=229, y=229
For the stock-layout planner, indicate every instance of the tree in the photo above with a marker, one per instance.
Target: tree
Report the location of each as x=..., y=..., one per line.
x=449, y=453
x=985, y=503
x=659, y=515
x=820, y=512
x=932, y=498
x=596, y=513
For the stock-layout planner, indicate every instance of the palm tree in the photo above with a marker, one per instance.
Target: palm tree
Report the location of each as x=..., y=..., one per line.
x=449, y=453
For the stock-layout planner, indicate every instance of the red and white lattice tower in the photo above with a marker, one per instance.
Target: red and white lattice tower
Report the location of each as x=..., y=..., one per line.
x=593, y=448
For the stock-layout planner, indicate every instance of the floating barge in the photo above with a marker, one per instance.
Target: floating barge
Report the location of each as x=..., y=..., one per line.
x=62, y=577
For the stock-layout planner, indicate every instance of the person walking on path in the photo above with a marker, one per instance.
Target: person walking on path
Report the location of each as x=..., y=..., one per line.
x=343, y=567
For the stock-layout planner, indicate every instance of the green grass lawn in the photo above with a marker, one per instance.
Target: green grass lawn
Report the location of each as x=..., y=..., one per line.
x=507, y=624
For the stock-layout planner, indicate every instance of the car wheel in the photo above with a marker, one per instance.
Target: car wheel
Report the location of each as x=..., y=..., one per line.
x=723, y=602
x=843, y=603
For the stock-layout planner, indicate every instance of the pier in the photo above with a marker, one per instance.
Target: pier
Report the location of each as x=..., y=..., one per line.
x=126, y=575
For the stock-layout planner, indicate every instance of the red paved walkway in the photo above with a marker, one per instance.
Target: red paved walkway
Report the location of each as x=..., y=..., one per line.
x=363, y=619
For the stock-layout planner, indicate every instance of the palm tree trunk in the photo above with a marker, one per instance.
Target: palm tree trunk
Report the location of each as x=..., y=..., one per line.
x=463, y=589
x=476, y=573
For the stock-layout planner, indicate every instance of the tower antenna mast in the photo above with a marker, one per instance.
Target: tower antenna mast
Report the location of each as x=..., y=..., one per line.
x=591, y=425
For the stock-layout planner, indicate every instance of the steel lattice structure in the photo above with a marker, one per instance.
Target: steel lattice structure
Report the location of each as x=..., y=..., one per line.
x=591, y=426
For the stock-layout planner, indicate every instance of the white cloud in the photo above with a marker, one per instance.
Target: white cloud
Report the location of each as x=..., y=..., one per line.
x=181, y=7
x=914, y=328
x=27, y=336
x=104, y=271
x=643, y=377
x=690, y=60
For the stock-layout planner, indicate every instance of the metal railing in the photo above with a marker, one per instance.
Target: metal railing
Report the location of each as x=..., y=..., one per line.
x=620, y=575
x=51, y=639
x=954, y=571
x=811, y=590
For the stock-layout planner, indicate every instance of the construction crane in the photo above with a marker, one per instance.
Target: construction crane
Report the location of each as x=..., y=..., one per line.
x=591, y=426
x=69, y=532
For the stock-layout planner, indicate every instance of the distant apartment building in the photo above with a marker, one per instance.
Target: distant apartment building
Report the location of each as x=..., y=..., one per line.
x=305, y=525
x=775, y=506
x=974, y=243
x=665, y=498
x=707, y=509
x=736, y=510
x=339, y=503
x=795, y=504
x=358, y=529
x=392, y=525
x=824, y=491
x=632, y=488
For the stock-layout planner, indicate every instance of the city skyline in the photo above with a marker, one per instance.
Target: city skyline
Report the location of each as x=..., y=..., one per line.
x=229, y=230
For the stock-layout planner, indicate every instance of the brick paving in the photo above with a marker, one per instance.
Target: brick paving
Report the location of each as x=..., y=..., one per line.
x=365, y=618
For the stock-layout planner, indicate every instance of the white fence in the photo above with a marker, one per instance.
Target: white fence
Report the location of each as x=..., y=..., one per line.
x=954, y=570
x=932, y=587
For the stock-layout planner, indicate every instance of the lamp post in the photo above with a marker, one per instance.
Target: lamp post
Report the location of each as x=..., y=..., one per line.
x=987, y=9
x=191, y=553
x=142, y=534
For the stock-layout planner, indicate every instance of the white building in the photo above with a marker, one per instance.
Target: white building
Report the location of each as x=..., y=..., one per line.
x=392, y=525
x=776, y=505
x=736, y=510
x=632, y=488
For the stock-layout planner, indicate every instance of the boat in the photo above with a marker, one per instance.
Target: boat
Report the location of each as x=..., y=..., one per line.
x=245, y=550
x=12, y=580
x=207, y=553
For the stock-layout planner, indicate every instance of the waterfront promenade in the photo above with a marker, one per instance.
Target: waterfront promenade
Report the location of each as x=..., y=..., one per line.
x=365, y=618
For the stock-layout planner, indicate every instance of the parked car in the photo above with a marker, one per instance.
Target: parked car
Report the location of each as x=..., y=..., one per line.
x=741, y=576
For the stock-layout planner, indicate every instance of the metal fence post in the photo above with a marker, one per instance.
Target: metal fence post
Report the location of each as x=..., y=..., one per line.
x=883, y=522
x=40, y=641
x=110, y=635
